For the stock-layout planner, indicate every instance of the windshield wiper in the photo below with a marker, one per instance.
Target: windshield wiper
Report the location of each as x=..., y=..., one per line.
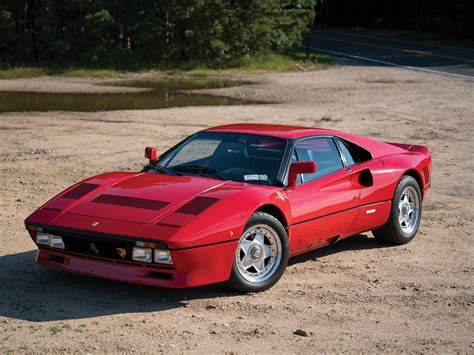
x=199, y=170
x=161, y=169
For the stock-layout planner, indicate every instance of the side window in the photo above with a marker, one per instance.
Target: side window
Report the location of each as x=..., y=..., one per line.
x=352, y=152
x=345, y=152
x=324, y=152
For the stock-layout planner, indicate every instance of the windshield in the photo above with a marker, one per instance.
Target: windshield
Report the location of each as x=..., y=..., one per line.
x=227, y=156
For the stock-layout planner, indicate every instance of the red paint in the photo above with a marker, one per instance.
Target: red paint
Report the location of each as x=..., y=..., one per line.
x=300, y=167
x=200, y=219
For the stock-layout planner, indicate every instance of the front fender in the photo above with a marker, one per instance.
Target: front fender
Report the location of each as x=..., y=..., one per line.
x=225, y=220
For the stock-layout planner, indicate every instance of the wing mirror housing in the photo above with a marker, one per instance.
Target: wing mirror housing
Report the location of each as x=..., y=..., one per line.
x=300, y=167
x=150, y=154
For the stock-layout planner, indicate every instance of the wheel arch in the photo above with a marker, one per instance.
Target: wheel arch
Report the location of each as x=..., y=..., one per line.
x=415, y=175
x=275, y=212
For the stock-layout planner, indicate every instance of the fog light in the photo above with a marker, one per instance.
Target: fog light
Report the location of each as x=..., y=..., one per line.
x=56, y=241
x=43, y=238
x=143, y=255
x=162, y=256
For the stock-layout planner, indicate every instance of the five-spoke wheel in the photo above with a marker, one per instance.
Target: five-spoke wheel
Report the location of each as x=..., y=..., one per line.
x=261, y=255
x=405, y=214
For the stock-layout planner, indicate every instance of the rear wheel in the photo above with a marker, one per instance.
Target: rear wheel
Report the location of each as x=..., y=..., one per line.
x=405, y=215
x=261, y=256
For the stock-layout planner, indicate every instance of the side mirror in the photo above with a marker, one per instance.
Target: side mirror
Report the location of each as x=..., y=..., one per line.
x=300, y=167
x=150, y=154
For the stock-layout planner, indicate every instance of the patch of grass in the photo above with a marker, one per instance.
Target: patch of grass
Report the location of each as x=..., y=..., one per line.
x=97, y=73
x=22, y=72
x=32, y=72
x=178, y=83
x=55, y=330
x=270, y=62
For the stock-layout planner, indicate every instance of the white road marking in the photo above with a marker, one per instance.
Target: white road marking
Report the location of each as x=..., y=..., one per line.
x=352, y=56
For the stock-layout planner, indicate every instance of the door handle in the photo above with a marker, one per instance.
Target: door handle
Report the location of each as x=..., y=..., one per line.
x=349, y=170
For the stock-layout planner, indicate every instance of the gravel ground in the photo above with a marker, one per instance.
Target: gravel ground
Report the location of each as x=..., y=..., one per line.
x=357, y=296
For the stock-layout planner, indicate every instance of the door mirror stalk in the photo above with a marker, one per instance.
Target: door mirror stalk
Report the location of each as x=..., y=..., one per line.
x=300, y=167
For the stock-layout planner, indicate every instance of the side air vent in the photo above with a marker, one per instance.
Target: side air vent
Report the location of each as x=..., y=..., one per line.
x=197, y=205
x=426, y=171
x=130, y=202
x=79, y=191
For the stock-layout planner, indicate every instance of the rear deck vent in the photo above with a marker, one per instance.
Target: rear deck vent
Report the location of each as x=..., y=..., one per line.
x=131, y=202
x=80, y=190
x=197, y=205
x=426, y=171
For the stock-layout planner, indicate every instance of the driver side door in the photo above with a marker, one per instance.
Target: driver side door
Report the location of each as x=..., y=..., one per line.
x=324, y=204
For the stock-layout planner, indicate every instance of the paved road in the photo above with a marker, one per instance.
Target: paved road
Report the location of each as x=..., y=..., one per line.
x=377, y=50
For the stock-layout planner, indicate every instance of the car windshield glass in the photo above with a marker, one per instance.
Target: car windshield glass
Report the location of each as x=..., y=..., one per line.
x=231, y=156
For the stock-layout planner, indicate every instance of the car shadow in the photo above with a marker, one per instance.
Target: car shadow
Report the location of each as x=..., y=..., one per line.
x=356, y=242
x=36, y=294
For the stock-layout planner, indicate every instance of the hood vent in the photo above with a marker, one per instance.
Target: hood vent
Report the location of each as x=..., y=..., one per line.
x=79, y=191
x=131, y=202
x=197, y=205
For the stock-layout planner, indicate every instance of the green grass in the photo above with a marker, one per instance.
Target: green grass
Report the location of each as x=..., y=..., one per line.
x=262, y=63
x=22, y=72
x=84, y=72
x=54, y=330
x=32, y=72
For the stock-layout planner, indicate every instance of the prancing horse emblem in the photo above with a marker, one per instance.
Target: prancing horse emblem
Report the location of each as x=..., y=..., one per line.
x=93, y=249
x=121, y=252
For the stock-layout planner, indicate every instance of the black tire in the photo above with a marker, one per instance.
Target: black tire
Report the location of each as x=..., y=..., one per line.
x=392, y=232
x=237, y=281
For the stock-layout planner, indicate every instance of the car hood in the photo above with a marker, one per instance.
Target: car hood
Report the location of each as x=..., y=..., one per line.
x=138, y=198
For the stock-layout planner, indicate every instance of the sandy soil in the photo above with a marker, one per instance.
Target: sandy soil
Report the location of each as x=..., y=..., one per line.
x=357, y=295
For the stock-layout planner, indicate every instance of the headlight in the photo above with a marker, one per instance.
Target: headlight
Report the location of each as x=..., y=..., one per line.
x=162, y=256
x=143, y=255
x=56, y=242
x=53, y=241
x=43, y=238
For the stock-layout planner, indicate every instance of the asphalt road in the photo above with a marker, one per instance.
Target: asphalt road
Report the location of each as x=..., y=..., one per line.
x=378, y=50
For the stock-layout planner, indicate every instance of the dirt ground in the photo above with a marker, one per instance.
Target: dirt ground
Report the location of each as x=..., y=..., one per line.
x=357, y=296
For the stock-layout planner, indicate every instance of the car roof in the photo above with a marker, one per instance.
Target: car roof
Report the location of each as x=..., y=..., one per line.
x=375, y=147
x=273, y=130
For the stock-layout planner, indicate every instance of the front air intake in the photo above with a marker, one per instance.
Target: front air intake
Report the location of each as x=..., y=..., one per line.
x=197, y=205
x=130, y=202
x=79, y=191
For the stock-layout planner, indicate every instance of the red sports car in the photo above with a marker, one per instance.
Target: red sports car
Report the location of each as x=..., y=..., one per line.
x=233, y=203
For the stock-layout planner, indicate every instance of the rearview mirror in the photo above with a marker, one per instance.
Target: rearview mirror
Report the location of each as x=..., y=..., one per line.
x=300, y=167
x=150, y=154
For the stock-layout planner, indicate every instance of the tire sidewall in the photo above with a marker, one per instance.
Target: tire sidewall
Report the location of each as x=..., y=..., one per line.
x=404, y=183
x=237, y=280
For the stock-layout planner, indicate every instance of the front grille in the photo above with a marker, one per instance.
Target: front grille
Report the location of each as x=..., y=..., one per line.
x=97, y=246
x=105, y=249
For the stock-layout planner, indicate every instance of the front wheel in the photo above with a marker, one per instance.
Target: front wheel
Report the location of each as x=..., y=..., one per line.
x=405, y=215
x=261, y=256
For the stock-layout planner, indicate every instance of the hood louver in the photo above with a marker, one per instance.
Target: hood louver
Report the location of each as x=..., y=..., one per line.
x=79, y=191
x=130, y=202
x=197, y=205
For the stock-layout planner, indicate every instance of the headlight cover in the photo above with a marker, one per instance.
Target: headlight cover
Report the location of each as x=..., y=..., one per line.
x=143, y=255
x=162, y=256
x=53, y=241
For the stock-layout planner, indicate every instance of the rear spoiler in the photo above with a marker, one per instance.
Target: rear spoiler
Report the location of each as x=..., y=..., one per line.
x=412, y=148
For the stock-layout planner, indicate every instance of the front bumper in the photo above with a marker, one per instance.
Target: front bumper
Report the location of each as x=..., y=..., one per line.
x=192, y=267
